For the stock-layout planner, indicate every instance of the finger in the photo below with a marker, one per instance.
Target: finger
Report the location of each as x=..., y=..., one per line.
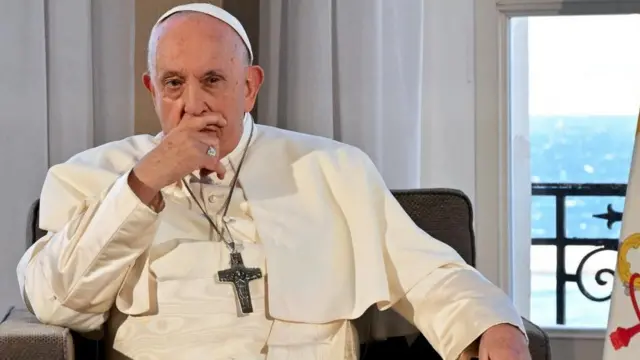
x=213, y=165
x=206, y=172
x=483, y=353
x=207, y=139
x=220, y=170
x=176, y=113
x=211, y=121
x=210, y=163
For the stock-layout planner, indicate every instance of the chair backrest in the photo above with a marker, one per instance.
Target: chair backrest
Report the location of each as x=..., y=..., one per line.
x=33, y=230
x=446, y=214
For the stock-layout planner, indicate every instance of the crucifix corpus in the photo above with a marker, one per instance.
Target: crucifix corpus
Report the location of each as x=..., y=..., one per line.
x=240, y=275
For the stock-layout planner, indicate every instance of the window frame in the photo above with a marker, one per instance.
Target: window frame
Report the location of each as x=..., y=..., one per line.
x=502, y=196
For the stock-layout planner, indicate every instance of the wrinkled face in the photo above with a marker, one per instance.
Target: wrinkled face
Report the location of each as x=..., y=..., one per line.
x=199, y=67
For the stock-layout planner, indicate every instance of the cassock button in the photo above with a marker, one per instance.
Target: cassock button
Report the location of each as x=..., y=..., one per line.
x=244, y=207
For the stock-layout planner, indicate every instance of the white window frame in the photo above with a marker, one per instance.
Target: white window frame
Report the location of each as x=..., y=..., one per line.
x=502, y=196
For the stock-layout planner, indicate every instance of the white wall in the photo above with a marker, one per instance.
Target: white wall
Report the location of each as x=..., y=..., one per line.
x=576, y=349
x=448, y=124
x=66, y=86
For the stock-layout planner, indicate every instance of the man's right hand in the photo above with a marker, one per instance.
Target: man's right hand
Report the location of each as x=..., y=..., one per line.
x=182, y=151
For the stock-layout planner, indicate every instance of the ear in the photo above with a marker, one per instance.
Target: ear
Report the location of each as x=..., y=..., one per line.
x=146, y=80
x=255, y=77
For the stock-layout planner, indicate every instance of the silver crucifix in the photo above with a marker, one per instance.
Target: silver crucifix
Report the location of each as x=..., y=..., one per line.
x=240, y=275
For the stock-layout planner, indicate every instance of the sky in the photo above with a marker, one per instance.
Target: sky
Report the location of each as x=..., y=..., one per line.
x=584, y=65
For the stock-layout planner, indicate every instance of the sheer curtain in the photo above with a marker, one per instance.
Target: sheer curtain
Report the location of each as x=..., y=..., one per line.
x=395, y=78
x=67, y=86
x=89, y=55
x=23, y=130
x=348, y=70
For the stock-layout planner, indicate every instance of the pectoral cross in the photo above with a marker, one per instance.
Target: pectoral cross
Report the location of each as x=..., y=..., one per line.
x=240, y=275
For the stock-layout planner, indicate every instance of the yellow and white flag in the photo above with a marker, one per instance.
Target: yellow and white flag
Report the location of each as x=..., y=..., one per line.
x=623, y=330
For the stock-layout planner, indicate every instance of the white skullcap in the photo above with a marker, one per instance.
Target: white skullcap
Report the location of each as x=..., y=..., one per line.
x=216, y=12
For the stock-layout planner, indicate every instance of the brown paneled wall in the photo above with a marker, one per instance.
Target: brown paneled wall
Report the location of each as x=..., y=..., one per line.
x=147, y=12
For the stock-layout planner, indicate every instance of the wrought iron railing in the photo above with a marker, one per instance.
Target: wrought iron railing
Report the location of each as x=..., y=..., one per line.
x=560, y=192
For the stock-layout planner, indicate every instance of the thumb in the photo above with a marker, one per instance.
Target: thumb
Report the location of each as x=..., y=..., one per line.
x=220, y=170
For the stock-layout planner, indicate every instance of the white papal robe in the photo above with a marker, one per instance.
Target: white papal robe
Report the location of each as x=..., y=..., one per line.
x=312, y=213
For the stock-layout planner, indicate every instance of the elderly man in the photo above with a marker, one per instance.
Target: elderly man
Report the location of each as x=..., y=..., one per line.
x=223, y=239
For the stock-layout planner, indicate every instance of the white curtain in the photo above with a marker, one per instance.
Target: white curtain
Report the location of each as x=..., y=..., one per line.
x=67, y=85
x=347, y=70
x=23, y=130
x=90, y=77
x=394, y=78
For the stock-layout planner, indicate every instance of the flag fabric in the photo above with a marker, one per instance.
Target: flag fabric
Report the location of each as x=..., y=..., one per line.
x=623, y=330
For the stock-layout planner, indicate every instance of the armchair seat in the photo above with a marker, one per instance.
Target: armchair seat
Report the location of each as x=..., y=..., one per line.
x=23, y=337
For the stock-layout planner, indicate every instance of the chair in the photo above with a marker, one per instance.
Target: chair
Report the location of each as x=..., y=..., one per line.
x=446, y=214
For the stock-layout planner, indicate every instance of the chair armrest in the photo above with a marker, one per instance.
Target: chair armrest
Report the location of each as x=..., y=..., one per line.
x=538, y=341
x=23, y=337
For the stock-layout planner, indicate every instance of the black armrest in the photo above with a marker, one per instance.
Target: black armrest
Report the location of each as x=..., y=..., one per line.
x=538, y=341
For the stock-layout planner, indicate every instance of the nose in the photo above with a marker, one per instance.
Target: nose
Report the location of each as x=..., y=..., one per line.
x=194, y=100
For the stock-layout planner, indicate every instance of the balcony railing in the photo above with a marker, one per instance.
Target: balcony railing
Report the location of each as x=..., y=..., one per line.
x=560, y=192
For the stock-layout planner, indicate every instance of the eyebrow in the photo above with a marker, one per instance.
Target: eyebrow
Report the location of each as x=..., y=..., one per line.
x=212, y=73
x=171, y=73
x=209, y=73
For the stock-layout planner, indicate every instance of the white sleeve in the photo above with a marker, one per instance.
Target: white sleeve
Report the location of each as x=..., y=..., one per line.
x=454, y=305
x=71, y=277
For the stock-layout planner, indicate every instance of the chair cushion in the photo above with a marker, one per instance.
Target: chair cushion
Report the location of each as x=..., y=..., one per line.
x=23, y=337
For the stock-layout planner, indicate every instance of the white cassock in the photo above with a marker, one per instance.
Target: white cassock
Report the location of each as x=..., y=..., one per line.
x=312, y=213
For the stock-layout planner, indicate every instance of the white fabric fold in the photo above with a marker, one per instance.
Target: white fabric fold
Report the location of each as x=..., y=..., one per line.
x=84, y=277
x=331, y=341
x=335, y=240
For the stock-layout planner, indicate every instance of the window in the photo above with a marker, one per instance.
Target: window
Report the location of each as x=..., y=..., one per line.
x=574, y=84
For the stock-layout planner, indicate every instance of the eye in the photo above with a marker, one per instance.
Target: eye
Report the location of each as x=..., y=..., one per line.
x=172, y=83
x=211, y=80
